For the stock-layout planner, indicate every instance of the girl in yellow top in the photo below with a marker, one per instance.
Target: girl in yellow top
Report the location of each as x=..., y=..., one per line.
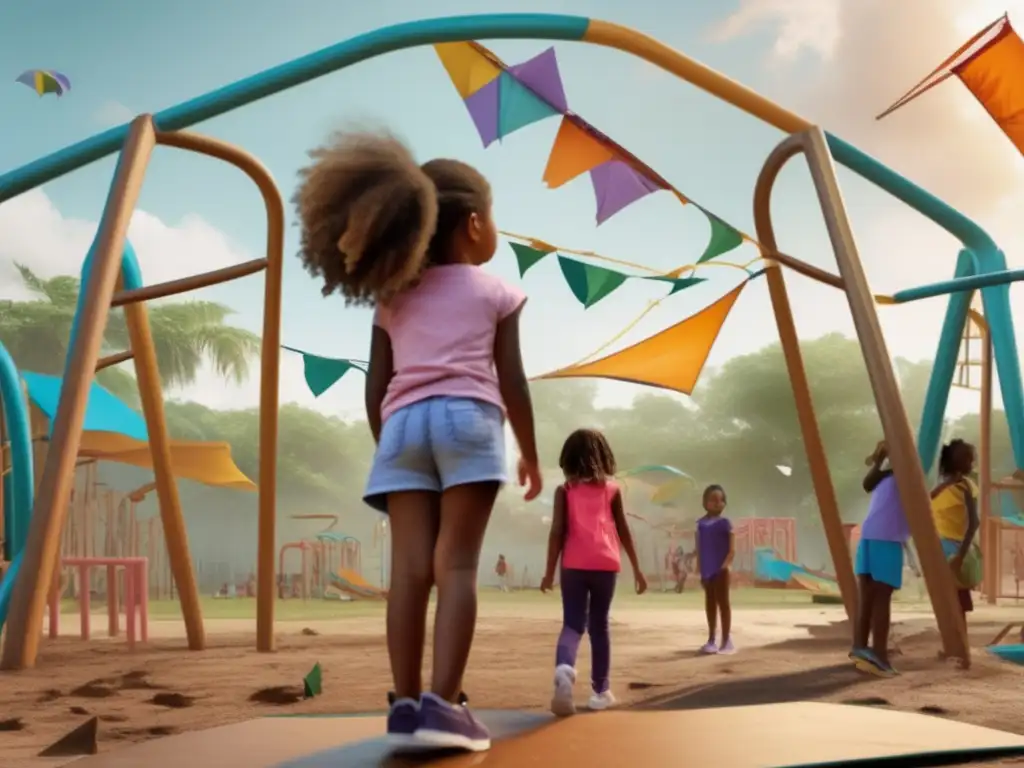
x=955, y=510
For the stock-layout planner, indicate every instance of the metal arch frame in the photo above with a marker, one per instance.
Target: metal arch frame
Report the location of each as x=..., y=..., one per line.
x=136, y=140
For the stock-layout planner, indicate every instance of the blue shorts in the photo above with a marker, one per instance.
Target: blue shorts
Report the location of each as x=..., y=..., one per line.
x=437, y=443
x=881, y=560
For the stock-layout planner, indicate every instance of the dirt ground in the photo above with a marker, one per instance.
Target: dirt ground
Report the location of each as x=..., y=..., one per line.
x=789, y=654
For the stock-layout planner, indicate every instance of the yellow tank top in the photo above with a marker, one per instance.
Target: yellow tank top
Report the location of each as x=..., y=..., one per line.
x=949, y=510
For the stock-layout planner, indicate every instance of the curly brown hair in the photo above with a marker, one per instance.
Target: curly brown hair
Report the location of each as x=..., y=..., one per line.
x=372, y=218
x=587, y=457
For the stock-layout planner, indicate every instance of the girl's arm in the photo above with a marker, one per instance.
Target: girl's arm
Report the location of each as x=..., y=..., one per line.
x=874, y=476
x=732, y=550
x=696, y=550
x=622, y=528
x=973, y=523
x=556, y=539
x=514, y=386
x=378, y=377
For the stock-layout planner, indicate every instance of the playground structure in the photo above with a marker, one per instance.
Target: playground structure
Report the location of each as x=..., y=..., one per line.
x=106, y=550
x=112, y=279
x=327, y=553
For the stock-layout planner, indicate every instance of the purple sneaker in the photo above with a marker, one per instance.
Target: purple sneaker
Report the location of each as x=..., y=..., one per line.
x=403, y=720
x=450, y=726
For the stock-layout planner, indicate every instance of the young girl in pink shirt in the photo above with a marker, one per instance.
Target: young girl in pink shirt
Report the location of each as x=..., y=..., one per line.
x=445, y=368
x=588, y=528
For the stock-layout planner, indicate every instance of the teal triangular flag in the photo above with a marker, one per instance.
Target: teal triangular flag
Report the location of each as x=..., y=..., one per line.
x=312, y=684
x=589, y=283
x=518, y=107
x=723, y=238
x=527, y=256
x=678, y=283
x=322, y=373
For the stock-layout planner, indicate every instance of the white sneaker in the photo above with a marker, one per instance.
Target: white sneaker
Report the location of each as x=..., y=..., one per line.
x=562, y=703
x=601, y=701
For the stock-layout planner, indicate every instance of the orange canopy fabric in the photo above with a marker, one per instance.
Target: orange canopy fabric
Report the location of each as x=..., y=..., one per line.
x=207, y=463
x=990, y=64
x=671, y=359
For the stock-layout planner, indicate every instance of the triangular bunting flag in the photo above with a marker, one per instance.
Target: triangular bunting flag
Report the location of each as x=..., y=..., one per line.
x=526, y=256
x=678, y=283
x=671, y=359
x=312, y=684
x=574, y=152
x=589, y=283
x=322, y=373
x=483, y=108
x=616, y=185
x=723, y=238
x=468, y=69
x=518, y=107
x=540, y=74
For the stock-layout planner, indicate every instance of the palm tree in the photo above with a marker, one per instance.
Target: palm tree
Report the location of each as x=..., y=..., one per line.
x=185, y=335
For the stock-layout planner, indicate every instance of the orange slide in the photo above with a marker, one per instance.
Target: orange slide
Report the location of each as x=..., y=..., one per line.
x=355, y=586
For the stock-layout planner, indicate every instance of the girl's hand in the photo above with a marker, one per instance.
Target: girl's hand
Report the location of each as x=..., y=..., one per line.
x=529, y=477
x=547, y=583
x=641, y=583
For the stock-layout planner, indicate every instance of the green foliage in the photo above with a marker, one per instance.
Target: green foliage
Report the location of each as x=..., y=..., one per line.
x=185, y=334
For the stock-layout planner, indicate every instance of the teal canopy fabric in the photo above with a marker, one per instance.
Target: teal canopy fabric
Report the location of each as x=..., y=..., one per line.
x=104, y=412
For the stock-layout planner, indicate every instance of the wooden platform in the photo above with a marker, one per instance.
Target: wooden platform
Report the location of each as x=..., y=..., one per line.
x=770, y=736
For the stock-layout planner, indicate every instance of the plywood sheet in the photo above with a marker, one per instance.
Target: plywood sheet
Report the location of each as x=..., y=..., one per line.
x=768, y=736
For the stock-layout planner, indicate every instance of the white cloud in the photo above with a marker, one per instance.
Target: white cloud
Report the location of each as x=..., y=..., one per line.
x=866, y=60
x=113, y=113
x=799, y=25
x=33, y=232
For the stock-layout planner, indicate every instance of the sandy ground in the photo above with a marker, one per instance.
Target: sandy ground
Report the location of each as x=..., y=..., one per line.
x=787, y=654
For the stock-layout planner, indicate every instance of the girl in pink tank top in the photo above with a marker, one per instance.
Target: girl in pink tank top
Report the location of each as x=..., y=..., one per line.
x=588, y=529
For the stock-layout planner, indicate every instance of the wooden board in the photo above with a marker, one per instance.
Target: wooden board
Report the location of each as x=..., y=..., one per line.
x=768, y=736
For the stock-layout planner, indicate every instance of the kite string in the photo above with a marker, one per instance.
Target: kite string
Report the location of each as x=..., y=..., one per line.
x=636, y=321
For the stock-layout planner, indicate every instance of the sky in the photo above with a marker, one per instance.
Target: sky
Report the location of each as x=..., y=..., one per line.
x=836, y=62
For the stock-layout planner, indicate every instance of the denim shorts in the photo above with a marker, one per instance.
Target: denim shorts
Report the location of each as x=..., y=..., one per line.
x=435, y=444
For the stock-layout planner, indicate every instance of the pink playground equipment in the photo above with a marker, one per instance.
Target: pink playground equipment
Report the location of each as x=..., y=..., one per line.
x=136, y=596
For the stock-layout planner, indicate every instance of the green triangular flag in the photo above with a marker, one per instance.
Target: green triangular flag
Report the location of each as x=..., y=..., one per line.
x=723, y=238
x=322, y=373
x=312, y=684
x=526, y=256
x=518, y=106
x=589, y=283
x=678, y=283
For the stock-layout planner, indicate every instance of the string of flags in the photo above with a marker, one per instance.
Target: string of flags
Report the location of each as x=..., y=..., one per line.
x=322, y=373
x=590, y=283
x=502, y=99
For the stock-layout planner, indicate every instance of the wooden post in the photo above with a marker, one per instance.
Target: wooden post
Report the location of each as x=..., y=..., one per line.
x=903, y=453
x=28, y=601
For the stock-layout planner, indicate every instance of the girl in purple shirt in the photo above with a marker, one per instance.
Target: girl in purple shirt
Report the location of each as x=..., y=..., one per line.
x=879, y=567
x=715, y=551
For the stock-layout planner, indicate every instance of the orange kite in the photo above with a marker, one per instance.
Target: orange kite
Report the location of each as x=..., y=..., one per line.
x=991, y=65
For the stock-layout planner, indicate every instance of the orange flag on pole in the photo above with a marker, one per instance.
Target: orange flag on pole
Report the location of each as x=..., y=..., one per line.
x=991, y=65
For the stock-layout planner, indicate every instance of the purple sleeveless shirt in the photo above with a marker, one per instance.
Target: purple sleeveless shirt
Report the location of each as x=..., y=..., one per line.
x=713, y=535
x=885, y=520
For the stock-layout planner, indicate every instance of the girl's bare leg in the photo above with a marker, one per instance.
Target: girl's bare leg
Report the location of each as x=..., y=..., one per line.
x=465, y=511
x=414, y=524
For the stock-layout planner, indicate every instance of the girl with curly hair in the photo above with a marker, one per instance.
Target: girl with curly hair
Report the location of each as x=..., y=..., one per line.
x=445, y=369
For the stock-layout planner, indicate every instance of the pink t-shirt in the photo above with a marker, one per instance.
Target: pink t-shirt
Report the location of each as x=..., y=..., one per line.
x=442, y=335
x=591, y=541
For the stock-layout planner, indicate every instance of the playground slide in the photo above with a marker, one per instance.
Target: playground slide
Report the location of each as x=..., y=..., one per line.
x=354, y=585
x=768, y=566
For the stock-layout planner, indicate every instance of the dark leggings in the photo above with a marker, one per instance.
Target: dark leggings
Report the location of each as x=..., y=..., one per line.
x=586, y=602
